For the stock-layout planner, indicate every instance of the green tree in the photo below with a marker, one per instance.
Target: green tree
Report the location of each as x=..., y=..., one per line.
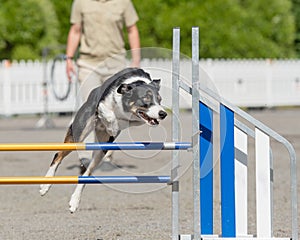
x=63, y=11
x=26, y=27
x=273, y=29
x=296, y=12
x=229, y=28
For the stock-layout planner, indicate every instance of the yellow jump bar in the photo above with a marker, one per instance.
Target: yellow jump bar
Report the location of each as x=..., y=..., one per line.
x=42, y=146
x=39, y=180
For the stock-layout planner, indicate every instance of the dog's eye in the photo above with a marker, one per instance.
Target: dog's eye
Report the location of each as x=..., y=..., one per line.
x=148, y=98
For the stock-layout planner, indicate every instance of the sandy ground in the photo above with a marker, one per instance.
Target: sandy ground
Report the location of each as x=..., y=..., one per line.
x=122, y=211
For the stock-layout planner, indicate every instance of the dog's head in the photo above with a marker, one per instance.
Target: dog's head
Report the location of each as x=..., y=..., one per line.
x=143, y=100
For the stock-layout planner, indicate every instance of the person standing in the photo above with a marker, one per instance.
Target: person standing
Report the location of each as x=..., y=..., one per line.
x=97, y=26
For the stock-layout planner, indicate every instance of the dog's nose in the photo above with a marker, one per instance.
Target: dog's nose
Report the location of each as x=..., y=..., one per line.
x=162, y=114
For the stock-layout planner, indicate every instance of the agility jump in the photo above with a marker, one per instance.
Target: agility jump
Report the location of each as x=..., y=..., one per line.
x=84, y=180
x=234, y=136
x=95, y=146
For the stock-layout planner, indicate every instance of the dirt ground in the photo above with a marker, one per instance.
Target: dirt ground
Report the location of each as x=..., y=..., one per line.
x=124, y=212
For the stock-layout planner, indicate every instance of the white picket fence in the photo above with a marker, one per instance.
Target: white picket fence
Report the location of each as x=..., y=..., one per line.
x=246, y=83
x=22, y=89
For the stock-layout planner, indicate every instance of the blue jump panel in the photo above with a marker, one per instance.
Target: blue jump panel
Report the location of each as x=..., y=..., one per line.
x=227, y=172
x=206, y=169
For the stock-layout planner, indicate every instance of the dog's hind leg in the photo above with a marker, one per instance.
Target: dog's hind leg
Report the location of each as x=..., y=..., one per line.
x=57, y=159
x=102, y=136
x=76, y=196
x=75, y=133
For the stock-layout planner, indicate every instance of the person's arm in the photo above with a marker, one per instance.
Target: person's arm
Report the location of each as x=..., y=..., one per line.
x=72, y=45
x=134, y=42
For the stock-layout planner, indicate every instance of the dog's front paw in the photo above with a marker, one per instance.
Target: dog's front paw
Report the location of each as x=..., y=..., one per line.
x=44, y=188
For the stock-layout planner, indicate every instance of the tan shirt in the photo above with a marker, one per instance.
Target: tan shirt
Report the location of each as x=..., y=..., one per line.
x=102, y=23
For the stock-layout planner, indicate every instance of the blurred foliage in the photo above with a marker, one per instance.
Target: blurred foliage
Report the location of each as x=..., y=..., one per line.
x=228, y=28
x=296, y=12
x=63, y=11
x=26, y=27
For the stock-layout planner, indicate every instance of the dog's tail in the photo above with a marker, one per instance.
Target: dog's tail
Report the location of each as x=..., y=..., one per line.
x=58, y=157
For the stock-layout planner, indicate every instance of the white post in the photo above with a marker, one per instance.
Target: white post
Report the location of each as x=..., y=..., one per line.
x=175, y=133
x=7, y=88
x=195, y=127
x=269, y=79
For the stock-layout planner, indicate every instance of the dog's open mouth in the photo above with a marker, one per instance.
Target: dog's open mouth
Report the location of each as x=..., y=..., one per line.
x=147, y=119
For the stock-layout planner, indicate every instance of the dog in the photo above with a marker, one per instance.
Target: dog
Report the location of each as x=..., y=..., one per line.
x=128, y=98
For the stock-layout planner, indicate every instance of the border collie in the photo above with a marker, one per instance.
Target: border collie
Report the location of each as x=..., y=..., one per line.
x=129, y=98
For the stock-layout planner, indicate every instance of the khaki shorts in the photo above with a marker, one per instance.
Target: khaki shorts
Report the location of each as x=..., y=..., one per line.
x=92, y=76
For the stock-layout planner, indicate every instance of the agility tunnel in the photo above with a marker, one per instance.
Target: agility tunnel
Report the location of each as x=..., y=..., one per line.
x=235, y=128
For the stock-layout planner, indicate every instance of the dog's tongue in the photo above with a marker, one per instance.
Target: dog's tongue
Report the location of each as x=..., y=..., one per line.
x=149, y=120
x=153, y=122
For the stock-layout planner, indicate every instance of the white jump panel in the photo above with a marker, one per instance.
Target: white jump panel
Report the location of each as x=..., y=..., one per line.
x=263, y=184
x=241, y=185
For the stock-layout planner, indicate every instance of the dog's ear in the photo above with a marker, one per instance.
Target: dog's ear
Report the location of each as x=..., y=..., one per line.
x=124, y=88
x=156, y=83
